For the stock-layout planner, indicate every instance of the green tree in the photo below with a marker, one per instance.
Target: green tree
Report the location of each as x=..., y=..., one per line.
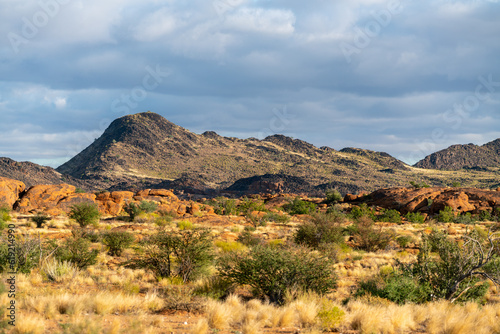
x=117, y=241
x=185, y=254
x=85, y=214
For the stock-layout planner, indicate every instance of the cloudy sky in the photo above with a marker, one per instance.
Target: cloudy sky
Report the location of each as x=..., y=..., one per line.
x=405, y=77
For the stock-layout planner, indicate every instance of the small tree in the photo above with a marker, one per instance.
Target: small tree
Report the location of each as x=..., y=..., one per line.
x=368, y=237
x=457, y=272
x=272, y=271
x=321, y=229
x=40, y=219
x=117, y=241
x=185, y=254
x=76, y=250
x=85, y=214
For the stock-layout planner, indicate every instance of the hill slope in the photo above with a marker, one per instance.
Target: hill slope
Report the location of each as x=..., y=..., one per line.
x=146, y=145
x=32, y=174
x=463, y=156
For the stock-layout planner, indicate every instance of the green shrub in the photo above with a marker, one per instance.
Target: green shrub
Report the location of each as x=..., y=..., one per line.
x=117, y=241
x=277, y=218
x=465, y=218
x=223, y=206
x=299, y=207
x=248, y=205
x=77, y=251
x=404, y=240
x=91, y=235
x=272, y=271
x=333, y=196
x=185, y=254
x=29, y=251
x=368, y=237
x=247, y=238
x=148, y=206
x=415, y=217
x=134, y=210
x=485, y=216
x=447, y=215
x=329, y=315
x=362, y=210
x=320, y=229
x=418, y=185
x=39, y=219
x=390, y=216
x=85, y=214
x=396, y=287
x=185, y=225
x=455, y=270
x=4, y=216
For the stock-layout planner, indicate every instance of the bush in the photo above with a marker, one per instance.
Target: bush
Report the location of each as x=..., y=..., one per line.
x=404, y=240
x=321, y=229
x=185, y=254
x=368, y=237
x=390, y=216
x=247, y=206
x=117, y=241
x=77, y=251
x=454, y=269
x=447, y=215
x=363, y=210
x=4, y=216
x=333, y=196
x=85, y=214
x=148, y=206
x=418, y=185
x=224, y=206
x=396, y=287
x=39, y=219
x=299, y=207
x=415, y=217
x=277, y=218
x=28, y=253
x=247, y=238
x=272, y=271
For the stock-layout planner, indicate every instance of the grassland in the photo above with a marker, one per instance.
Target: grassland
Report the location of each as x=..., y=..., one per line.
x=108, y=297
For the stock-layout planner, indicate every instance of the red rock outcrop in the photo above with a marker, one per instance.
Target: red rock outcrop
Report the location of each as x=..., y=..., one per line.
x=10, y=191
x=432, y=200
x=51, y=199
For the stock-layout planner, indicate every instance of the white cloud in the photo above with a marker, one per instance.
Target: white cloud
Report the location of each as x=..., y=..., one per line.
x=155, y=25
x=260, y=20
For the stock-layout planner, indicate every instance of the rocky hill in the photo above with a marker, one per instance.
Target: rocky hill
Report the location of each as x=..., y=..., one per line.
x=32, y=174
x=464, y=156
x=147, y=146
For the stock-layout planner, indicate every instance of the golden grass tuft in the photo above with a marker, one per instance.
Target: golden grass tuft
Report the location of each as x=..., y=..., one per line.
x=29, y=323
x=201, y=327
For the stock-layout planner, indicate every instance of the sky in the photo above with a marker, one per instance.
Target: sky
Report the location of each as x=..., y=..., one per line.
x=405, y=77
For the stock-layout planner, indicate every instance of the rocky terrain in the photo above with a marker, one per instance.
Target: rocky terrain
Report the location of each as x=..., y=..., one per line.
x=147, y=146
x=464, y=156
x=145, y=150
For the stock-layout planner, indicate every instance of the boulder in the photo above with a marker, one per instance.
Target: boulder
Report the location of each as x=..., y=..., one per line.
x=10, y=190
x=44, y=198
x=432, y=200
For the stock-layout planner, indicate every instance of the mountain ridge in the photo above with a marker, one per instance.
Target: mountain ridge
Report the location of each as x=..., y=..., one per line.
x=461, y=156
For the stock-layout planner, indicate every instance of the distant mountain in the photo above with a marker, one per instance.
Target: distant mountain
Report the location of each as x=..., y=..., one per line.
x=32, y=174
x=464, y=156
x=146, y=145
